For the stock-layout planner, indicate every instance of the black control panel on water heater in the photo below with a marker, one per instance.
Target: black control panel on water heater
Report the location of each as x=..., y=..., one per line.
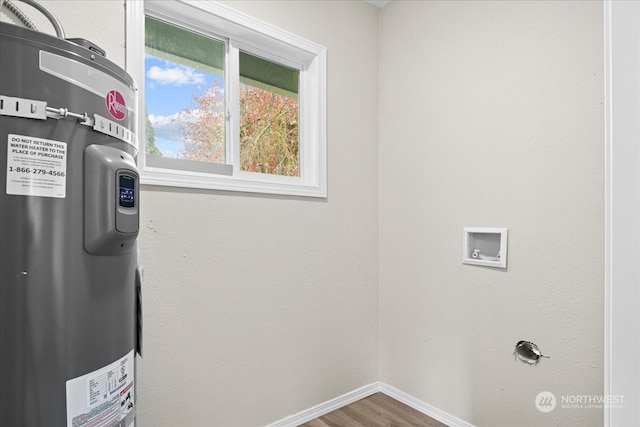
x=127, y=191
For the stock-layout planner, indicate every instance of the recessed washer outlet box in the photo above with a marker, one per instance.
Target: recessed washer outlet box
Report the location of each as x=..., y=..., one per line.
x=485, y=246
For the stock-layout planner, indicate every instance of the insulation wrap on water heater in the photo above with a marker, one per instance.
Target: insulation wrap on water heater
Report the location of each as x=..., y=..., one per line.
x=69, y=218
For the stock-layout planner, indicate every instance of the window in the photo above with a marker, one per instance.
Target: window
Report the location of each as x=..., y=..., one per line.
x=226, y=101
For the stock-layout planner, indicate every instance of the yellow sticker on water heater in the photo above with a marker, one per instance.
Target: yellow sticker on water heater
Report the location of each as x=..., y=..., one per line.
x=36, y=166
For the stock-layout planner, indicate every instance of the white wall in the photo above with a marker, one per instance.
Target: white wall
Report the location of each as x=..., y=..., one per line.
x=491, y=115
x=258, y=307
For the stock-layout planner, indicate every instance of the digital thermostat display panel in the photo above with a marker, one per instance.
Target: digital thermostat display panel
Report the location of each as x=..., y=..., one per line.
x=127, y=191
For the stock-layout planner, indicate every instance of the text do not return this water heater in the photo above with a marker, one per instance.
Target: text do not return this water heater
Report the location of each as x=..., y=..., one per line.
x=69, y=215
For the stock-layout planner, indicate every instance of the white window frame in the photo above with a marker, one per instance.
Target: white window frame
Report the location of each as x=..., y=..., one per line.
x=255, y=37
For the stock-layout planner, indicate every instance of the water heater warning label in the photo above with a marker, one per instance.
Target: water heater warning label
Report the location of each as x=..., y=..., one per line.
x=36, y=166
x=104, y=397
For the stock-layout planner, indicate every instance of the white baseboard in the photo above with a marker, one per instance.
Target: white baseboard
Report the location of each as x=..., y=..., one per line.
x=366, y=391
x=328, y=406
x=425, y=408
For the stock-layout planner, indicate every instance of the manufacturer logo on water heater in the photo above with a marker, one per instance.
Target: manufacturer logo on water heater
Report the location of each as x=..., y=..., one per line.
x=115, y=104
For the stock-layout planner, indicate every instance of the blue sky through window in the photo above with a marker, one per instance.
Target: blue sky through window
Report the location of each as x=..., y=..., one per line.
x=169, y=89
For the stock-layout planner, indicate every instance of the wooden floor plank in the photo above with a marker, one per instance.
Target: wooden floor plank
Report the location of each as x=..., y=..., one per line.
x=339, y=418
x=403, y=412
x=377, y=410
x=391, y=414
x=317, y=423
x=363, y=415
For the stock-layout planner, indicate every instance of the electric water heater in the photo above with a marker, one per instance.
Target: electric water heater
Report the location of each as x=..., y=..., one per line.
x=69, y=217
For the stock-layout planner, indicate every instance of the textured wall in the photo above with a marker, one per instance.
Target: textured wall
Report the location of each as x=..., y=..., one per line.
x=258, y=307
x=491, y=115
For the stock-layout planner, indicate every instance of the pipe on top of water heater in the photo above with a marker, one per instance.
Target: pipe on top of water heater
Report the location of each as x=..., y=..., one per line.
x=27, y=22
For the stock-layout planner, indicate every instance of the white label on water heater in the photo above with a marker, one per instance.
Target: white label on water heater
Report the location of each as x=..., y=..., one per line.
x=36, y=166
x=104, y=397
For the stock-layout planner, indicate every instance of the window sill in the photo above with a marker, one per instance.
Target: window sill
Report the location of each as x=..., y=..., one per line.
x=245, y=182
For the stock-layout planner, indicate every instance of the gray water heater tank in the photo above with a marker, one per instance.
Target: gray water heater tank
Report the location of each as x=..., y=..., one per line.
x=69, y=215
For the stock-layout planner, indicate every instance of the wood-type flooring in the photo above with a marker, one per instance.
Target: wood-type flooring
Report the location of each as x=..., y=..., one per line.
x=378, y=410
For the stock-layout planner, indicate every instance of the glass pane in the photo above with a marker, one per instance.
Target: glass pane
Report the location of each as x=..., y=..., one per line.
x=184, y=93
x=268, y=117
